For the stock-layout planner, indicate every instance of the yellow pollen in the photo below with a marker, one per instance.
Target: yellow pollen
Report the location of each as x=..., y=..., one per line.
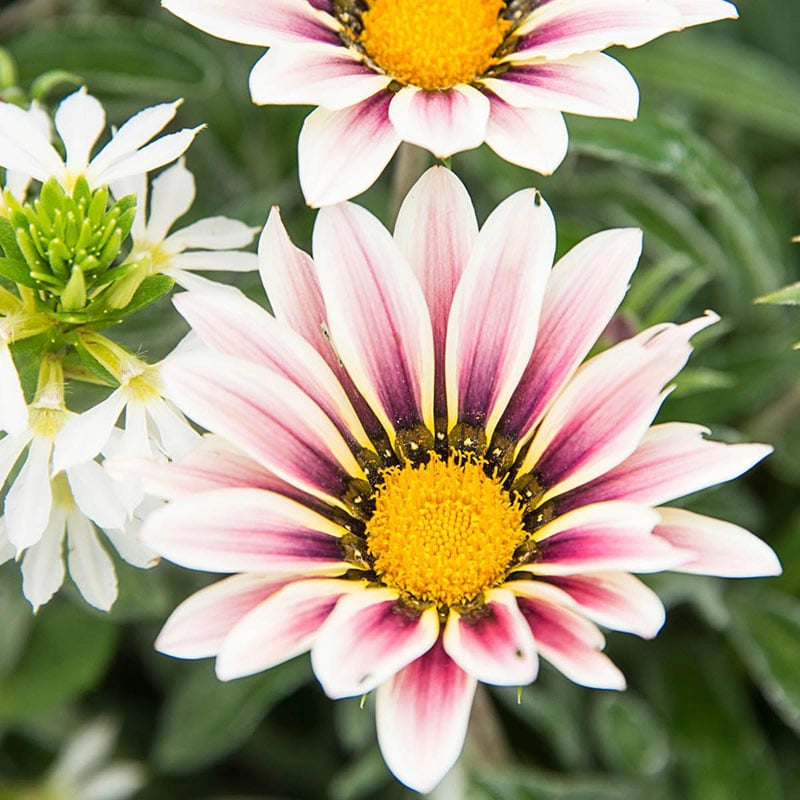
x=433, y=44
x=443, y=532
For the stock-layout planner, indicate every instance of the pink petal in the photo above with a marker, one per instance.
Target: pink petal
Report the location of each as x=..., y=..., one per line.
x=569, y=642
x=267, y=417
x=258, y=23
x=495, y=314
x=208, y=467
x=367, y=639
x=496, y=644
x=245, y=530
x=436, y=231
x=280, y=628
x=614, y=599
x=562, y=28
x=377, y=315
x=342, y=153
x=716, y=547
x=672, y=460
x=444, y=122
x=604, y=411
x=534, y=138
x=291, y=284
x=422, y=715
x=591, y=84
x=605, y=536
x=199, y=625
x=324, y=75
x=232, y=324
x=584, y=290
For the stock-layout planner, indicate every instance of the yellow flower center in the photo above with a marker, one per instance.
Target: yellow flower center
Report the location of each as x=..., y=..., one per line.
x=433, y=44
x=443, y=532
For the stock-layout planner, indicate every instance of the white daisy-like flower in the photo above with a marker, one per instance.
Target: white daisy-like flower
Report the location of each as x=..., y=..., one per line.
x=208, y=244
x=44, y=507
x=79, y=121
x=446, y=75
x=17, y=182
x=153, y=426
x=84, y=770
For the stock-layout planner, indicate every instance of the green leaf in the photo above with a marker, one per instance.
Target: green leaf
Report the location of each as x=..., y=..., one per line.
x=66, y=654
x=121, y=56
x=705, y=69
x=629, y=736
x=766, y=633
x=527, y=784
x=205, y=719
x=17, y=272
x=150, y=290
x=787, y=296
x=665, y=146
x=717, y=744
x=8, y=241
x=28, y=354
x=92, y=364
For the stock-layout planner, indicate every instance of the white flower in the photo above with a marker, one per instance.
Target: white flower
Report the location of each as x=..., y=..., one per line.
x=84, y=770
x=80, y=119
x=153, y=427
x=206, y=244
x=17, y=182
x=44, y=506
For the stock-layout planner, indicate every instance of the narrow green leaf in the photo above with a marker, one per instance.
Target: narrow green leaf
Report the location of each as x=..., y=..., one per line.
x=766, y=632
x=705, y=69
x=17, y=272
x=629, y=735
x=67, y=653
x=787, y=296
x=205, y=719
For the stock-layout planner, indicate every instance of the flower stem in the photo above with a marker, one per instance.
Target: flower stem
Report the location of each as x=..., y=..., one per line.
x=411, y=162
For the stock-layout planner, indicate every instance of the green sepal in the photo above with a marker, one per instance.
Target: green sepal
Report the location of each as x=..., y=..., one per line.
x=8, y=241
x=151, y=289
x=52, y=196
x=28, y=354
x=17, y=272
x=29, y=250
x=97, y=207
x=92, y=364
x=73, y=298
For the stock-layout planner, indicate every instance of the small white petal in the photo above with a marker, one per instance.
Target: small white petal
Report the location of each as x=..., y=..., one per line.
x=89, y=565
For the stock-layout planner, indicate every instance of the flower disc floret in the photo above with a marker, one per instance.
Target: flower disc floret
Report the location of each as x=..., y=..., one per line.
x=433, y=44
x=444, y=531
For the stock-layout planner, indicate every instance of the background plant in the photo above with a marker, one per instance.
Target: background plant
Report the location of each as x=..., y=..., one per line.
x=709, y=171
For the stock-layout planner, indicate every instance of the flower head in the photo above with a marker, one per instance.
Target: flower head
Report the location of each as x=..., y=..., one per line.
x=79, y=121
x=415, y=476
x=443, y=74
x=45, y=507
x=208, y=244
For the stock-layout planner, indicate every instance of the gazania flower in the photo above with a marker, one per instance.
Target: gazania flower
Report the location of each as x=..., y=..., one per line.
x=421, y=483
x=80, y=119
x=443, y=74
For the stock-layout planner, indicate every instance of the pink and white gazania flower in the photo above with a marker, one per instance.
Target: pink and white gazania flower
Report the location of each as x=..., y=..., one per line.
x=208, y=244
x=446, y=75
x=80, y=119
x=423, y=484
x=46, y=508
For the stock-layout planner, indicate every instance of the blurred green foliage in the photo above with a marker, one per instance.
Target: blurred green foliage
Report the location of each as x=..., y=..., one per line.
x=710, y=172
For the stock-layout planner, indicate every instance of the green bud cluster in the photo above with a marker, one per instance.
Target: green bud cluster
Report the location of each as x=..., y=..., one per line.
x=67, y=246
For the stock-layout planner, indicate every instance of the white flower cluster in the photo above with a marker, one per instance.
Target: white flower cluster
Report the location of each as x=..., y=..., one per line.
x=59, y=492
